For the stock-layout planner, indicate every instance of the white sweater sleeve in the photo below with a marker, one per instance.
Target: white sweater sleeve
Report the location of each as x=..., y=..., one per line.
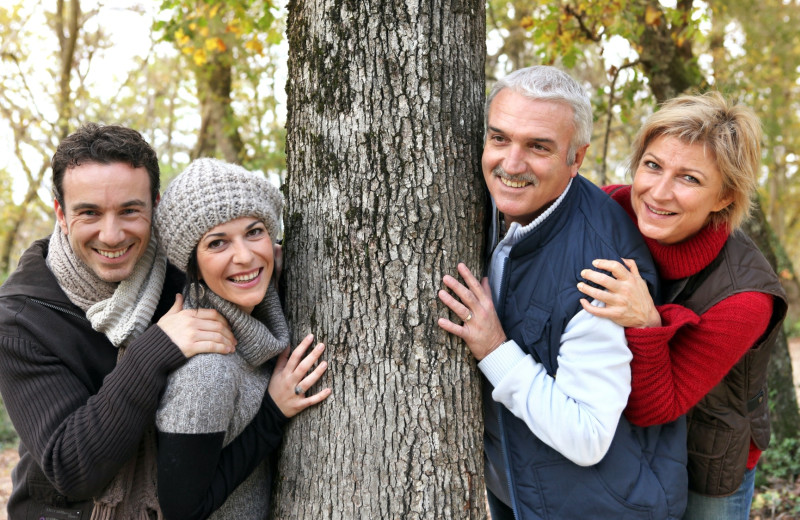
x=577, y=412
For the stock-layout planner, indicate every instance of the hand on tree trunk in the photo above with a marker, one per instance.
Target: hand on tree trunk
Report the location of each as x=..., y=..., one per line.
x=480, y=327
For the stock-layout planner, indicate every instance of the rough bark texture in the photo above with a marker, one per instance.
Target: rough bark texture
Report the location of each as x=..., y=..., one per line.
x=384, y=196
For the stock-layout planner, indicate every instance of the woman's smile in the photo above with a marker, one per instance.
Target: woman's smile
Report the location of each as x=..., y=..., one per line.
x=235, y=260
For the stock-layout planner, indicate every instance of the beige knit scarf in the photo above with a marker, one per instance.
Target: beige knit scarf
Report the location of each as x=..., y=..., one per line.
x=122, y=311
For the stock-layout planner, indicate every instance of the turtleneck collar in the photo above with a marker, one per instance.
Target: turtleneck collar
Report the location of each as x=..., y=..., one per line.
x=676, y=261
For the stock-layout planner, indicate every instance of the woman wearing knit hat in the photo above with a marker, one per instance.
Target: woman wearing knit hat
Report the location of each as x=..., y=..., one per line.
x=216, y=221
x=704, y=352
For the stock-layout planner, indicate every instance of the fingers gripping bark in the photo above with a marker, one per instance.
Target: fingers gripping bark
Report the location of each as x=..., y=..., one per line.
x=294, y=375
x=480, y=326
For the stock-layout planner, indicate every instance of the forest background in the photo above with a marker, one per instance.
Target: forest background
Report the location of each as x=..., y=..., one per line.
x=204, y=78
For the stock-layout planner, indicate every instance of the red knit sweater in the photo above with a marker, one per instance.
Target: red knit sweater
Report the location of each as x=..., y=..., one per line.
x=675, y=365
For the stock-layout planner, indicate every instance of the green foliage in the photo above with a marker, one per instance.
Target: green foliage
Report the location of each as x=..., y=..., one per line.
x=792, y=329
x=8, y=435
x=780, y=461
x=777, y=485
x=211, y=30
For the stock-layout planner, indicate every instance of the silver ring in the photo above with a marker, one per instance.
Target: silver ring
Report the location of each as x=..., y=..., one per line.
x=469, y=317
x=298, y=390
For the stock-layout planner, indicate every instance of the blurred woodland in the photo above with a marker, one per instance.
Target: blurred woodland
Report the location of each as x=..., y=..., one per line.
x=208, y=82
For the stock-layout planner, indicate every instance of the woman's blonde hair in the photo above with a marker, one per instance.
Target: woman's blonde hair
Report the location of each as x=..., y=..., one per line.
x=732, y=132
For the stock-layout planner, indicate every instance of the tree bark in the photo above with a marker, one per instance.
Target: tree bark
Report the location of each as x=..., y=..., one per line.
x=670, y=66
x=384, y=197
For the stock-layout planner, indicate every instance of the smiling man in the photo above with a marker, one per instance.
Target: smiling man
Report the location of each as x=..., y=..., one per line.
x=90, y=327
x=557, y=378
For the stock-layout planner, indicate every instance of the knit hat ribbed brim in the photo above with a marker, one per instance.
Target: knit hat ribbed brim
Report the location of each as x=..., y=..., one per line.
x=210, y=192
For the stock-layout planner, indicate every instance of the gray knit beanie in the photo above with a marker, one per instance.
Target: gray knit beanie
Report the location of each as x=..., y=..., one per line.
x=210, y=192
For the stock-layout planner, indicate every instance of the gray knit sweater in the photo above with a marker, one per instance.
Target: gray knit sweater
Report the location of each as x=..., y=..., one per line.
x=215, y=393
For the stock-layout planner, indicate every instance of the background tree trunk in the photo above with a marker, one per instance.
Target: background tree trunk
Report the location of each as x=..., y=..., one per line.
x=385, y=195
x=784, y=417
x=218, y=130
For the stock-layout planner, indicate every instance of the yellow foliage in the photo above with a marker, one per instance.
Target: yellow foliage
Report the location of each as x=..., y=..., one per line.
x=527, y=22
x=214, y=10
x=652, y=15
x=254, y=45
x=215, y=44
x=188, y=50
x=233, y=27
x=204, y=31
x=193, y=26
x=200, y=58
x=181, y=38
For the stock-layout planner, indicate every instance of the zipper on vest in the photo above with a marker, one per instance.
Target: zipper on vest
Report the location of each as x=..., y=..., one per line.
x=503, y=443
x=60, y=309
x=500, y=307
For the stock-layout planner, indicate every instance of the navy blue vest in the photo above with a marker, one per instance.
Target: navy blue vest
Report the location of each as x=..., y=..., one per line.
x=643, y=475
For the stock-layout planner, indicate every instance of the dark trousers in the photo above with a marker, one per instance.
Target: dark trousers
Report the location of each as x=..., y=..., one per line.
x=498, y=509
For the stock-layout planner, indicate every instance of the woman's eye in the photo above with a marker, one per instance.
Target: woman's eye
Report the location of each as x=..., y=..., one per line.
x=255, y=232
x=214, y=244
x=651, y=165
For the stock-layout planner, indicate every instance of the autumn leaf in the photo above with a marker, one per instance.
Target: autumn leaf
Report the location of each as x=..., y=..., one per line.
x=527, y=23
x=652, y=16
x=200, y=57
x=255, y=46
x=181, y=38
x=215, y=44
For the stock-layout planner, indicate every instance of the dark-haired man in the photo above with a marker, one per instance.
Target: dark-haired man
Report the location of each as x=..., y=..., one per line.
x=90, y=327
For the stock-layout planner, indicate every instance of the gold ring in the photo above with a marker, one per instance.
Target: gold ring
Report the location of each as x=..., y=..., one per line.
x=469, y=317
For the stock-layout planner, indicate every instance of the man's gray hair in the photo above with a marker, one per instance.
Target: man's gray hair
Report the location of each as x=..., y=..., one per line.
x=545, y=83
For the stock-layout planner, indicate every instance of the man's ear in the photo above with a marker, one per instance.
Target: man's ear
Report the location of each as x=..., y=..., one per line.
x=580, y=154
x=60, y=217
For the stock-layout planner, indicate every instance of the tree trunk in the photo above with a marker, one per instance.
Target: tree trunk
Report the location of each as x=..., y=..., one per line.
x=218, y=128
x=670, y=67
x=784, y=416
x=385, y=196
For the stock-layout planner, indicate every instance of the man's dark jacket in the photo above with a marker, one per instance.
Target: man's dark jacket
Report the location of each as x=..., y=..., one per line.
x=78, y=412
